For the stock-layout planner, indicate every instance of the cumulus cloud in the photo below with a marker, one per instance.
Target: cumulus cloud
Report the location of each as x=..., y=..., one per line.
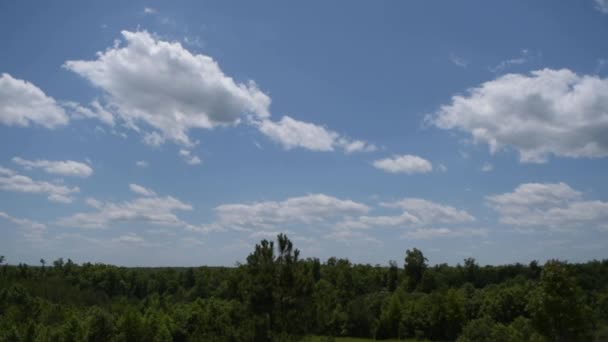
x=140, y=190
x=12, y=181
x=22, y=104
x=59, y=167
x=487, y=167
x=548, y=112
x=31, y=229
x=189, y=158
x=164, y=86
x=291, y=133
x=266, y=215
x=408, y=164
x=141, y=163
x=554, y=206
x=151, y=208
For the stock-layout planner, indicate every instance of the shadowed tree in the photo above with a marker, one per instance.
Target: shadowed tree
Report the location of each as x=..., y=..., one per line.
x=415, y=265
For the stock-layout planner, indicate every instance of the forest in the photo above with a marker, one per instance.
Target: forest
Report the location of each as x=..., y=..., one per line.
x=276, y=295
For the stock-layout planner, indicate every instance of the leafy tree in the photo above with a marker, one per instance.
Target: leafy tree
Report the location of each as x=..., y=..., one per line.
x=415, y=266
x=557, y=306
x=100, y=326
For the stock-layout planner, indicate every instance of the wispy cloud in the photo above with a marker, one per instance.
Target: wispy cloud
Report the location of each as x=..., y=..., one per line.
x=458, y=61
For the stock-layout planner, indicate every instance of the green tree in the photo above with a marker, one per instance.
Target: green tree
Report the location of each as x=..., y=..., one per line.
x=100, y=326
x=415, y=266
x=557, y=306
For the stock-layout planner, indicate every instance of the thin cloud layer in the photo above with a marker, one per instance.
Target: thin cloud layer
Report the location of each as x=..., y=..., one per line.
x=140, y=190
x=150, y=208
x=548, y=112
x=12, y=181
x=314, y=208
x=31, y=229
x=23, y=104
x=418, y=220
x=58, y=167
x=429, y=213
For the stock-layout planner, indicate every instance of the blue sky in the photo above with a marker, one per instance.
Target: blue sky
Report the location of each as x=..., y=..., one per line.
x=154, y=133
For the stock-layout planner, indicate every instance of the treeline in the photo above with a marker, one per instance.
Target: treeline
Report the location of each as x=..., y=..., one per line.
x=277, y=296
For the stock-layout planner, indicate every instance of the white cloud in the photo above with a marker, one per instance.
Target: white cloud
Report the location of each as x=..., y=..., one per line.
x=11, y=181
x=364, y=222
x=140, y=190
x=430, y=213
x=150, y=209
x=547, y=112
x=292, y=133
x=162, y=85
x=31, y=229
x=130, y=238
x=408, y=164
x=601, y=5
x=524, y=57
x=150, y=10
x=351, y=146
x=554, y=206
x=433, y=233
x=141, y=163
x=189, y=158
x=487, y=167
x=96, y=111
x=314, y=208
x=458, y=61
x=22, y=104
x=418, y=220
x=58, y=167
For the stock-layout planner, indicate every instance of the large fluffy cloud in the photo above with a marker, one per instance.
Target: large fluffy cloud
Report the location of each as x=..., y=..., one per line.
x=408, y=164
x=546, y=112
x=554, y=206
x=165, y=86
x=22, y=104
x=59, y=167
x=12, y=181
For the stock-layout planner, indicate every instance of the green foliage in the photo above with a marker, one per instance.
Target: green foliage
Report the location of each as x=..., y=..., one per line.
x=558, y=306
x=277, y=296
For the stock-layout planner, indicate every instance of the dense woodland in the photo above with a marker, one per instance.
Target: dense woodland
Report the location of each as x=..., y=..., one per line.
x=277, y=296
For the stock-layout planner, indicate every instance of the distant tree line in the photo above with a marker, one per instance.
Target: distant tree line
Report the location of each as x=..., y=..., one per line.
x=278, y=296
